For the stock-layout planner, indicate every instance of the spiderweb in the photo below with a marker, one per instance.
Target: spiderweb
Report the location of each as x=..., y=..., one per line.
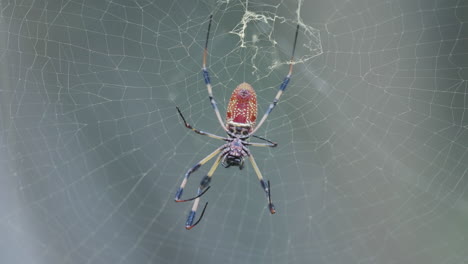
x=373, y=142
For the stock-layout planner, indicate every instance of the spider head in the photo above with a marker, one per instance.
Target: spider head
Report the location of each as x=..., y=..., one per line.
x=235, y=154
x=229, y=161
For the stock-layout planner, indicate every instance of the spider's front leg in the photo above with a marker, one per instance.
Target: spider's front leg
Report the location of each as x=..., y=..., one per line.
x=204, y=186
x=193, y=169
x=265, y=186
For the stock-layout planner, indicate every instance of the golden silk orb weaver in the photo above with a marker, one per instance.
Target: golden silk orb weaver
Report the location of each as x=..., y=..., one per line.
x=241, y=116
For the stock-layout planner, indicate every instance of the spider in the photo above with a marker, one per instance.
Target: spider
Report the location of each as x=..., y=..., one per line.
x=241, y=117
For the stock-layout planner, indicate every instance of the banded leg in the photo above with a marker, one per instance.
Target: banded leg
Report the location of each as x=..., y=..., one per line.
x=187, y=125
x=265, y=186
x=206, y=76
x=193, y=169
x=281, y=89
x=201, y=190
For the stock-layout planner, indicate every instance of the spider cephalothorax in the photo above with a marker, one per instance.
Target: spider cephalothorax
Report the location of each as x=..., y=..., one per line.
x=236, y=151
x=241, y=117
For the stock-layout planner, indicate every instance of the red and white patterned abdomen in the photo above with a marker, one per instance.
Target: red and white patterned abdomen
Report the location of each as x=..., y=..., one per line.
x=242, y=108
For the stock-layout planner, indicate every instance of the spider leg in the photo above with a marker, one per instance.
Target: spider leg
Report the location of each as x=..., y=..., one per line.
x=201, y=190
x=193, y=169
x=187, y=125
x=269, y=144
x=283, y=86
x=254, y=144
x=206, y=76
x=265, y=186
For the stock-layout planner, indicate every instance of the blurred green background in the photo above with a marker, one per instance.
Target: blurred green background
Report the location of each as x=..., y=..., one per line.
x=372, y=160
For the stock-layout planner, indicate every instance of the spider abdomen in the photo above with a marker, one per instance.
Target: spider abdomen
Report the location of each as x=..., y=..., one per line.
x=242, y=108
